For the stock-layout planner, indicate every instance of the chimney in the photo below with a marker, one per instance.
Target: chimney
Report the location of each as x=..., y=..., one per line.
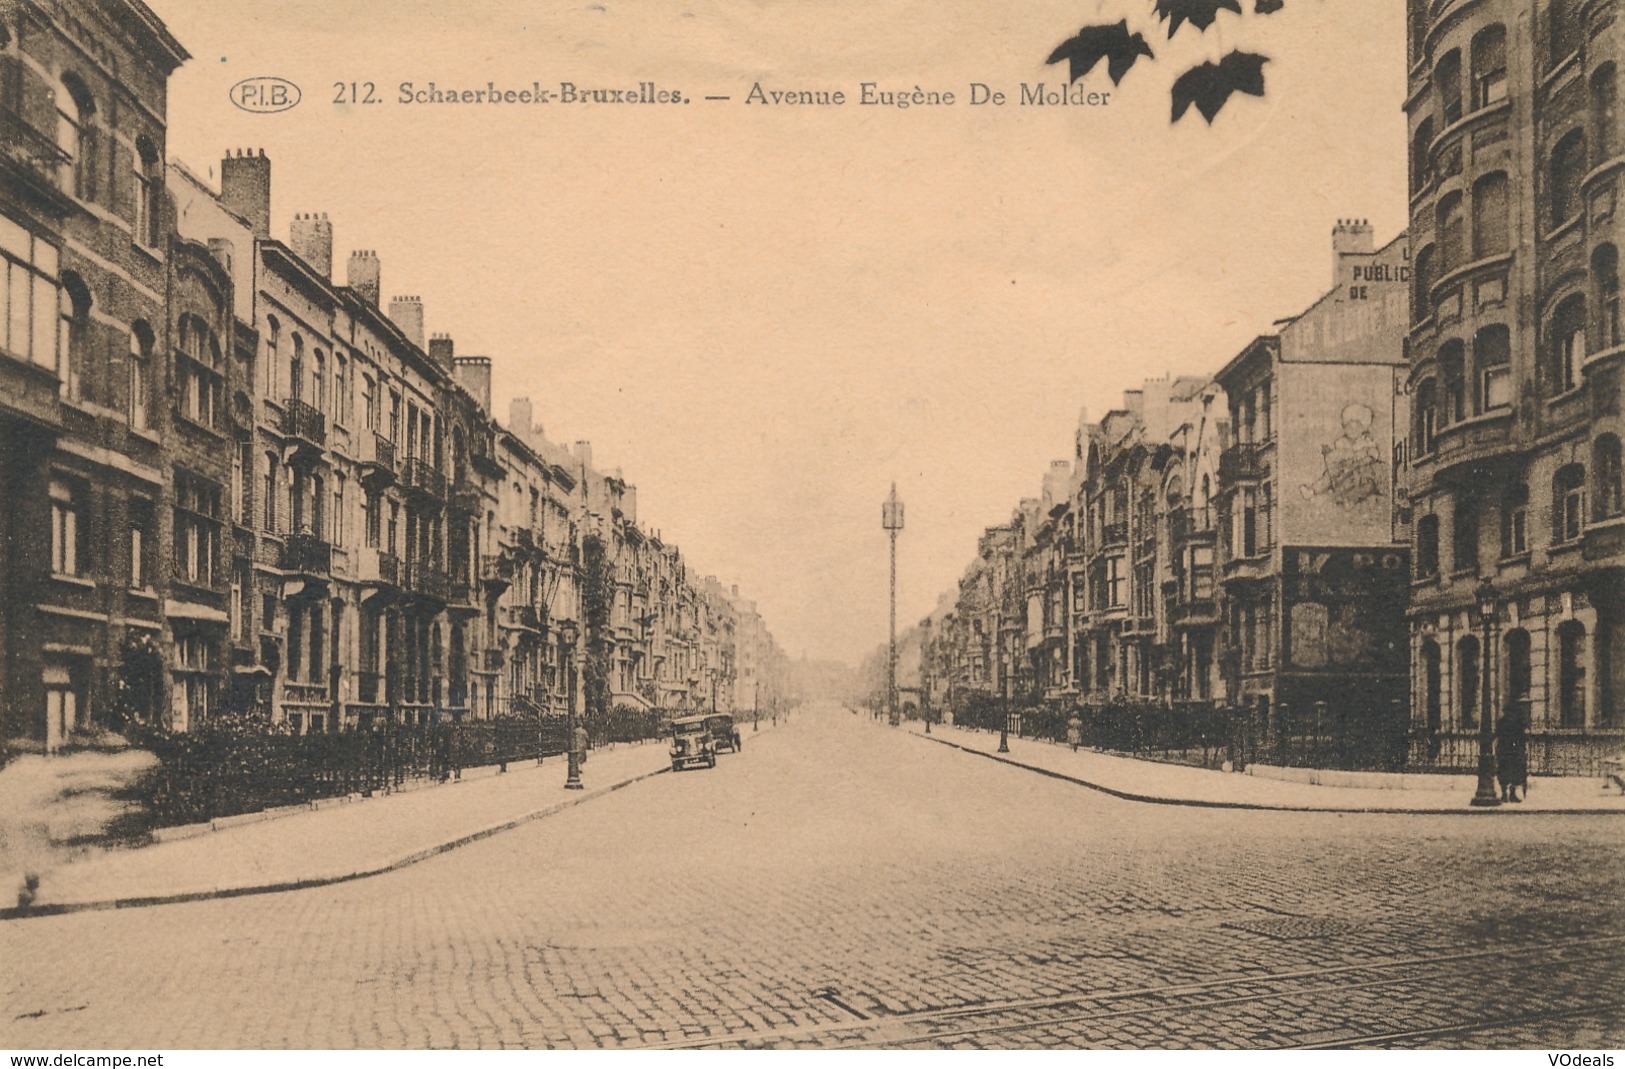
x=365, y=274
x=584, y=455
x=441, y=350
x=311, y=238
x=245, y=188
x=519, y=417
x=407, y=313
x=1350, y=237
x=474, y=375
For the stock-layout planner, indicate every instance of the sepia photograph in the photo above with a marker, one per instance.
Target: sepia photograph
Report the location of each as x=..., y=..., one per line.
x=726, y=525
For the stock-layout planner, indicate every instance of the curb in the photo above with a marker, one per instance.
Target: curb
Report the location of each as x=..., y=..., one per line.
x=1199, y=803
x=303, y=883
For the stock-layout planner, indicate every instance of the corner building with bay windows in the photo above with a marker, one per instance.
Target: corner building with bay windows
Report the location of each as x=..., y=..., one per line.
x=1516, y=373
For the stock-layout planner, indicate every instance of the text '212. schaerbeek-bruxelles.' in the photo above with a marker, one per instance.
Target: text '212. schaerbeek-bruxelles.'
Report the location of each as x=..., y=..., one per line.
x=863, y=94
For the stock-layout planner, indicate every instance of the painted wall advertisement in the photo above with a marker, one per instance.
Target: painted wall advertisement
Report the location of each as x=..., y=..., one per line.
x=1336, y=454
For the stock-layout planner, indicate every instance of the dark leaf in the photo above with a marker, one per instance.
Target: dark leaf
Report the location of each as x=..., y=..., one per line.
x=1268, y=7
x=1201, y=13
x=1210, y=85
x=1115, y=44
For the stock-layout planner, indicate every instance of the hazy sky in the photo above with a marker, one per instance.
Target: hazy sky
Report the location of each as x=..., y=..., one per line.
x=765, y=315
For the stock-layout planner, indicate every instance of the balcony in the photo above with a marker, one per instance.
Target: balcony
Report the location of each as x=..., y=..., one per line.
x=376, y=455
x=496, y=571
x=1243, y=462
x=419, y=476
x=427, y=581
x=466, y=495
x=33, y=160
x=304, y=554
x=1190, y=525
x=1461, y=449
x=1114, y=534
x=491, y=660
x=460, y=595
x=305, y=429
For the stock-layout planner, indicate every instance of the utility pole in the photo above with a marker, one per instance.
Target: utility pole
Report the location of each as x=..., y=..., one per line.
x=891, y=518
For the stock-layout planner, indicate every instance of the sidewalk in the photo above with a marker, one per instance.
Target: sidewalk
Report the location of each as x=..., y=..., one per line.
x=337, y=840
x=1170, y=784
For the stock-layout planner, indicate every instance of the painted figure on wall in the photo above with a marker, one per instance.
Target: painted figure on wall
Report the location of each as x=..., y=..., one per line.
x=1354, y=472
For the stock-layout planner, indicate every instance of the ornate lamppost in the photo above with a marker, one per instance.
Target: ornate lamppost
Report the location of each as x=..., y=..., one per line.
x=1486, y=794
x=569, y=635
x=891, y=518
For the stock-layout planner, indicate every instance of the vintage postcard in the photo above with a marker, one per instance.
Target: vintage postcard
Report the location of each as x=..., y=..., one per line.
x=719, y=524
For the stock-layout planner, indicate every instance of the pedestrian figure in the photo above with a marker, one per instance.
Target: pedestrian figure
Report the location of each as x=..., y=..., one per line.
x=578, y=743
x=1512, y=756
x=1074, y=731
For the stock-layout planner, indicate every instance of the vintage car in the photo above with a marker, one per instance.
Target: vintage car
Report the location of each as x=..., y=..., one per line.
x=692, y=743
x=724, y=733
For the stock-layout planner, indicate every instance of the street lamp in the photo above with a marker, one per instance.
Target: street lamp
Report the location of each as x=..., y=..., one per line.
x=1004, y=690
x=569, y=633
x=891, y=518
x=1486, y=794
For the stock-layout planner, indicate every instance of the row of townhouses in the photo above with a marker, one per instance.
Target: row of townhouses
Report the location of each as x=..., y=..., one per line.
x=235, y=483
x=1321, y=525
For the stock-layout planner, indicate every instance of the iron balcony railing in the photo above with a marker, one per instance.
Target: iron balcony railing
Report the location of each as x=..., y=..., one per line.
x=307, y=555
x=303, y=420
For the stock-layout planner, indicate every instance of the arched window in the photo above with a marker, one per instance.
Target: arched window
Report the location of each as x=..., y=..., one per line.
x=1432, y=684
x=1571, y=674
x=296, y=369
x=269, y=494
x=1515, y=654
x=341, y=388
x=149, y=185
x=1468, y=682
x=318, y=380
x=1427, y=547
x=1427, y=417
x=1606, y=499
x=1490, y=66
x=1492, y=357
x=1562, y=31
x=1425, y=272
x=1492, y=232
x=1464, y=533
x=140, y=369
x=1566, y=344
x=73, y=331
x=1452, y=234
x=1605, y=276
x=1568, y=501
x=1447, y=82
x=1515, y=521
x=1421, y=163
x=273, y=338
x=76, y=136
x=1568, y=168
x=1453, y=368
x=1604, y=113
x=1610, y=658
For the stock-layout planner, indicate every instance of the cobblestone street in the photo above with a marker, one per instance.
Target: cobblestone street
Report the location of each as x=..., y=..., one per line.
x=841, y=883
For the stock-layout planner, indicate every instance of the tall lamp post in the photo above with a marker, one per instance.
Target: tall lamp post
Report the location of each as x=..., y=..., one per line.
x=569, y=634
x=891, y=518
x=1004, y=687
x=1486, y=794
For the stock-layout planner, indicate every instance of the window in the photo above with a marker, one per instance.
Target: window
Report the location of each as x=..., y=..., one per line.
x=374, y=510
x=73, y=331
x=338, y=522
x=1566, y=344
x=1491, y=219
x=1114, y=583
x=148, y=183
x=198, y=373
x=394, y=416
x=68, y=529
x=1447, y=80
x=341, y=396
x=242, y=475
x=1568, y=167
x=61, y=705
x=28, y=296
x=1453, y=363
x=192, y=697
x=1421, y=299
x=141, y=543
x=140, y=367
x=369, y=403
x=197, y=529
x=1604, y=114
x=1464, y=536
x=1606, y=500
x=1492, y=355
x=273, y=337
x=296, y=370
x=1515, y=521
x=1571, y=674
x=1421, y=144
x=1489, y=66
x=268, y=494
x=1427, y=547
x=76, y=137
x=1562, y=31
x=1432, y=685
x=1452, y=230
x=1568, y=499
x=1605, y=275
x=1468, y=682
